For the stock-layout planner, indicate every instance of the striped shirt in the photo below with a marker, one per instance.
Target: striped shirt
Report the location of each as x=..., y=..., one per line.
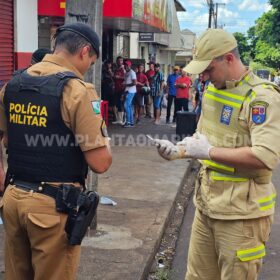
x=156, y=83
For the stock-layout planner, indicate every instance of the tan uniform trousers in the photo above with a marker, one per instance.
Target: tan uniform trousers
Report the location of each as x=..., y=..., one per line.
x=35, y=241
x=214, y=247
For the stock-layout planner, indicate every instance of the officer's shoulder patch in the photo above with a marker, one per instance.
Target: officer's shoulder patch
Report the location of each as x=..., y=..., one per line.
x=96, y=106
x=226, y=114
x=258, y=111
x=259, y=103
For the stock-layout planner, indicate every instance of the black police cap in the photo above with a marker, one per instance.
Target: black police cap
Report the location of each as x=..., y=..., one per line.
x=39, y=54
x=85, y=31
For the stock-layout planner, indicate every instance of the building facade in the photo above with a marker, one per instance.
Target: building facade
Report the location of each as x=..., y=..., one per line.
x=136, y=29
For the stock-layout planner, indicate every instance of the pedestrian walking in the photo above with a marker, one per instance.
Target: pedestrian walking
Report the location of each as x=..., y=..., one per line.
x=171, y=91
x=50, y=103
x=237, y=141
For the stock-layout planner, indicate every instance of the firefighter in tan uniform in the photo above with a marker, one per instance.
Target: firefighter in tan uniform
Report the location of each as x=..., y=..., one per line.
x=51, y=105
x=237, y=142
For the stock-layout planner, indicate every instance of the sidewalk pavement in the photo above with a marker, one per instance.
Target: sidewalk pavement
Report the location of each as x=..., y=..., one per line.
x=145, y=187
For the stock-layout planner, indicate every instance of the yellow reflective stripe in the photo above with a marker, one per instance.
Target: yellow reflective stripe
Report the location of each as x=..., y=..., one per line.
x=251, y=96
x=247, y=78
x=267, y=86
x=227, y=94
x=225, y=177
x=251, y=254
x=223, y=101
x=218, y=165
x=267, y=202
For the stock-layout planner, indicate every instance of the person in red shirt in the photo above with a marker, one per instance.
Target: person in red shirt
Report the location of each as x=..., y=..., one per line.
x=183, y=85
x=142, y=83
x=148, y=99
x=119, y=74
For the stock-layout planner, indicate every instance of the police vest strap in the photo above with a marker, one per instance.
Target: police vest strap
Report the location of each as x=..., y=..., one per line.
x=224, y=97
x=212, y=164
x=54, y=83
x=267, y=202
x=216, y=176
x=251, y=254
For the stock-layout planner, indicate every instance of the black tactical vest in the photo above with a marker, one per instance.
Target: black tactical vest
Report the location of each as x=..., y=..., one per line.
x=41, y=147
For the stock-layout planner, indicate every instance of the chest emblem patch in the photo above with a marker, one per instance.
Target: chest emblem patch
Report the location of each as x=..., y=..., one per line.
x=258, y=114
x=96, y=107
x=226, y=114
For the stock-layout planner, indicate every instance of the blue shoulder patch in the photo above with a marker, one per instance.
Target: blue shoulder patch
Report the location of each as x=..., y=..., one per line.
x=226, y=114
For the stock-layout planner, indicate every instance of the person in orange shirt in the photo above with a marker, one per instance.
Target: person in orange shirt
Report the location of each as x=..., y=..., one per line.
x=183, y=84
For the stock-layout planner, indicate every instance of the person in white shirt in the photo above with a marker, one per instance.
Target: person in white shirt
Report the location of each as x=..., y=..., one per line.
x=130, y=82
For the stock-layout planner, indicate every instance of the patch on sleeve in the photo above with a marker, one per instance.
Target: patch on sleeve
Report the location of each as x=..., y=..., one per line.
x=96, y=106
x=258, y=111
x=103, y=129
x=226, y=114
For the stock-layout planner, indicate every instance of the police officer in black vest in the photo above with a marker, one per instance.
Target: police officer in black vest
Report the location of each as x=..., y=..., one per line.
x=52, y=125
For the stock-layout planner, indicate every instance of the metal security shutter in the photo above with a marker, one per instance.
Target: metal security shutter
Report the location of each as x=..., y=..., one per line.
x=6, y=40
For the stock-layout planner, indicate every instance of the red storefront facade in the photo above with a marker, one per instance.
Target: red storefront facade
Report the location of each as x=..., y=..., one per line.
x=6, y=40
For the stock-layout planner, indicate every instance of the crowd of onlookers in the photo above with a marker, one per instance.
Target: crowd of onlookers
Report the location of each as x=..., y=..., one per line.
x=133, y=93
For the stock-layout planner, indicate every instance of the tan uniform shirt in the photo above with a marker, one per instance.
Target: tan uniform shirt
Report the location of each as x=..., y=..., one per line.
x=76, y=104
x=265, y=137
x=259, y=118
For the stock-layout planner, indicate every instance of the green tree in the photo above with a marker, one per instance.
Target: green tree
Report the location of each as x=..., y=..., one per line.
x=264, y=37
x=267, y=54
x=276, y=20
x=264, y=28
x=252, y=41
x=243, y=47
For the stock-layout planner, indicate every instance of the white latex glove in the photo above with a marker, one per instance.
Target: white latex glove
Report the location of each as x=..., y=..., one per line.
x=168, y=150
x=196, y=146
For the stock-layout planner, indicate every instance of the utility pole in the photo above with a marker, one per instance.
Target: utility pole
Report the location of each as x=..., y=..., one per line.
x=216, y=13
x=211, y=12
x=91, y=13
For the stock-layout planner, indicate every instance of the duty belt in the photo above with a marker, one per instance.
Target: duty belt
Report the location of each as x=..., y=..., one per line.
x=42, y=187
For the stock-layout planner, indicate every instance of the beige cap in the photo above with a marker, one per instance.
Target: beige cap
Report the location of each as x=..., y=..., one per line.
x=176, y=67
x=211, y=44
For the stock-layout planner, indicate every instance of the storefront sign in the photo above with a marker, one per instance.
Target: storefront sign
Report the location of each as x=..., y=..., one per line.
x=158, y=13
x=146, y=37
